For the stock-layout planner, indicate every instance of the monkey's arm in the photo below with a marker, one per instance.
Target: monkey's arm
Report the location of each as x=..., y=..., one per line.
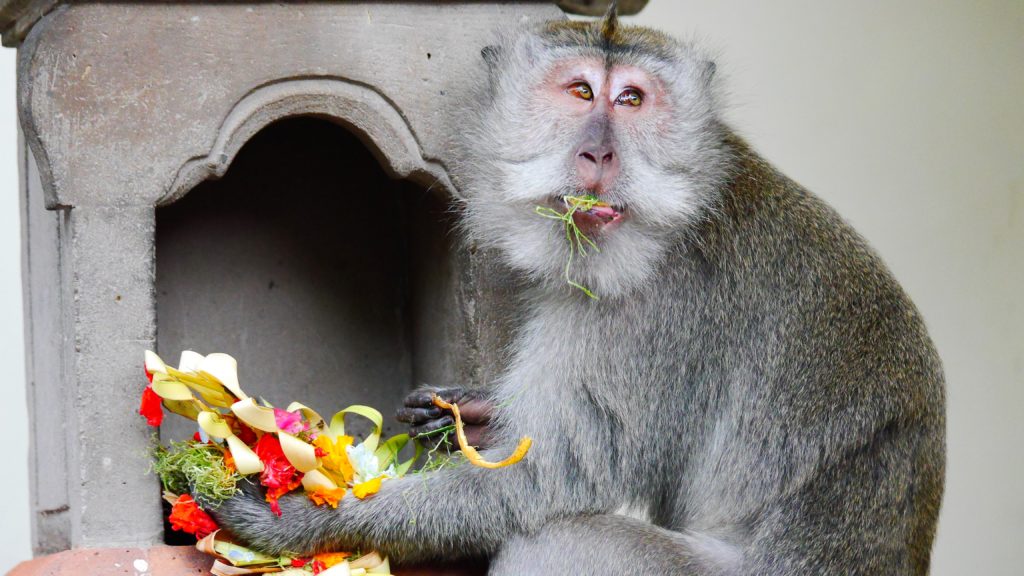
x=461, y=511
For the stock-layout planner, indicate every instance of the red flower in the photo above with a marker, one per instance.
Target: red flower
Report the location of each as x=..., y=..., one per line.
x=277, y=471
x=151, y=407
x=299, y=562
x=278, y=475
x=187, y=516
x=273, y=494
x=318, y=566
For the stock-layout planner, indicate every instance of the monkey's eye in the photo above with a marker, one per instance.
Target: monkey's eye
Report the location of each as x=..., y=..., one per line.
x=581, y=90
x=630, y=97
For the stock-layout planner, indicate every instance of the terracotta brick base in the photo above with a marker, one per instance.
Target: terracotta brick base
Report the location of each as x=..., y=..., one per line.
x=155, y=561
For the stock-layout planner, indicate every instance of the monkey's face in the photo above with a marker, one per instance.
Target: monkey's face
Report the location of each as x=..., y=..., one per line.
x=635, y=130
x=608, y=112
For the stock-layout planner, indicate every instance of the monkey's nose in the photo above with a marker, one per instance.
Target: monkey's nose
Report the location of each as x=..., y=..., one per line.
x=597, y=166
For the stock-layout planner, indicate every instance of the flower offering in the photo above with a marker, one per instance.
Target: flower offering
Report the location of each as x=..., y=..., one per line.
x=284, y=450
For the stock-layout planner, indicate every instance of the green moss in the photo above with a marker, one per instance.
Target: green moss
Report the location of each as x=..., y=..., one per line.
x=444, y=453
x=195, y=468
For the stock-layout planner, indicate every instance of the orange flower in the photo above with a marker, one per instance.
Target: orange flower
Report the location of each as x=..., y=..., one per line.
x=367, y=488
x=187, y=516
x=273, y=494
x=321, y=496
x=334, y=458
x=332, y=558
x=229, y=461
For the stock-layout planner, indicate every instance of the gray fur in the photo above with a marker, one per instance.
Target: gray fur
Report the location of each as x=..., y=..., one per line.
x=752, y=377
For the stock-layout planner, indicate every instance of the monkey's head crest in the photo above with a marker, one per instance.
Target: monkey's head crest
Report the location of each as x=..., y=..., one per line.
x=620, y=114
x=610, y=22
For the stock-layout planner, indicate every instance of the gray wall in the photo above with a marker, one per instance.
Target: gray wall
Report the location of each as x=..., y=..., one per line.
x=906, y=117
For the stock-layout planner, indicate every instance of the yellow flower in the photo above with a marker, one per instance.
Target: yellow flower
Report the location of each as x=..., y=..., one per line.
x=367, y=488
x=334, y=458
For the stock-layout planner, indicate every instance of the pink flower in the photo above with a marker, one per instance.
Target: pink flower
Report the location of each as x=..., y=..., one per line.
x=290, y=422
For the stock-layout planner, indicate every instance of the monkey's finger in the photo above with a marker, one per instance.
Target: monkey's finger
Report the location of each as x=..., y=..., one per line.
x=418, y=398
x=433, y=425
x=424, y=397
x=417, y=415
x=477, y=410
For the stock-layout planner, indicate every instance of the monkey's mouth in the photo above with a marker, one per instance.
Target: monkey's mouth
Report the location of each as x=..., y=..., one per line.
x=592, y=217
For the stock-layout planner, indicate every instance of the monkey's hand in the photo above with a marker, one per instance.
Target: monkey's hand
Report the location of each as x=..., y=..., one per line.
x=426, y=420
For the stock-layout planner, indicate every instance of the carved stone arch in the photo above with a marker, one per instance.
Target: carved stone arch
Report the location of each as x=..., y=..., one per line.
x=366, y=112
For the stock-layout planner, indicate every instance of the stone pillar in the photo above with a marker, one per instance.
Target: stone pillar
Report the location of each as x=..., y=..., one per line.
x=107, y=257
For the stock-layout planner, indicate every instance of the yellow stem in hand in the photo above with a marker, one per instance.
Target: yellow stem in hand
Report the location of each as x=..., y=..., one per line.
x=470, y=452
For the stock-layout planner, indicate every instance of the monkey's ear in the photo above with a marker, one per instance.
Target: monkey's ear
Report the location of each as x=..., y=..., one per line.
x=610, y=21
x=709, y=69
x=490, y=55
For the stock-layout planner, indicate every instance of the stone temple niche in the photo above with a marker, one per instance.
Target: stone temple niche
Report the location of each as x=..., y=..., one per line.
x=266, y=179
x=330, y=282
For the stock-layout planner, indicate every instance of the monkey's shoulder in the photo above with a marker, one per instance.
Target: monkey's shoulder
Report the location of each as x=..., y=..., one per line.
x=789, y=265
x=770, y=226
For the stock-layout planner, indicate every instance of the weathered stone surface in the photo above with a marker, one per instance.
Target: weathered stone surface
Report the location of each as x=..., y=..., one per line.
x=18, y=16
x=126, y=108
x=150, y=99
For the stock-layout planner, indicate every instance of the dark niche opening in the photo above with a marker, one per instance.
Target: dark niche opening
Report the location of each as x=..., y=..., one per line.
x=331, y=283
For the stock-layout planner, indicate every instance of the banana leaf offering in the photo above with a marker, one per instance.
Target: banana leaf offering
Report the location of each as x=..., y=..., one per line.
x=284, y=449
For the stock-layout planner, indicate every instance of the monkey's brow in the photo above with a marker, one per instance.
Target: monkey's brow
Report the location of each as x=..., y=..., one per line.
x=662, y=54
x=522, y=160
x=623, y=52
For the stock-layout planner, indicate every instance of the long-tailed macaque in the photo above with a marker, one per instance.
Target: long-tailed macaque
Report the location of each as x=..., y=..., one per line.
x=752, y=384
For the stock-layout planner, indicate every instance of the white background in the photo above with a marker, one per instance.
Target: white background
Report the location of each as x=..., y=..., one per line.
x=14, y=516
x=908, y=117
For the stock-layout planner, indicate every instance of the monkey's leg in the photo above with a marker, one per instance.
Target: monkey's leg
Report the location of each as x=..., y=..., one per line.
x=872, y=512
x=611, y=544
